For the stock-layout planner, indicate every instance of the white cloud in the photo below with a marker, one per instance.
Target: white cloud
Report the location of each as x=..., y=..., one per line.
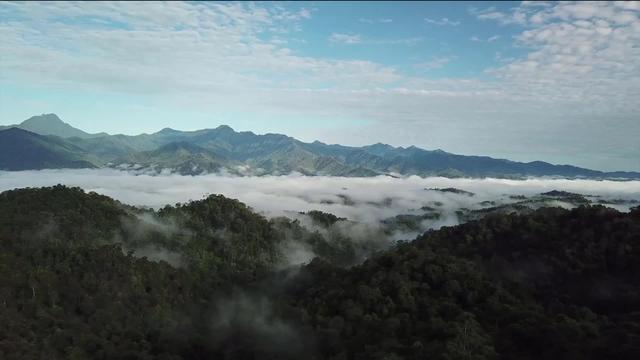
x=345, y=38
x=372, y=21
x=352, y=39
x=435, y=63
x=489, y=39
x=582, y=52
x=374, y=199
x=442, y=21
x=518, y=15
x=628, y=5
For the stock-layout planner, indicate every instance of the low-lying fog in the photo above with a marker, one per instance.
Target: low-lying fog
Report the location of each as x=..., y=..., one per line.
x=358, y=199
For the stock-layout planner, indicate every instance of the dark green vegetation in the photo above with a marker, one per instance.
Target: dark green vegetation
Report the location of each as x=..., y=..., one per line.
x=553, y=284
x=452, y=190
x=245, y=153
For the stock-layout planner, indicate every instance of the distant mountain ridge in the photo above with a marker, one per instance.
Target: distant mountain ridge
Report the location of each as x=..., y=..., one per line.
x=50, y=124
x=245, y=153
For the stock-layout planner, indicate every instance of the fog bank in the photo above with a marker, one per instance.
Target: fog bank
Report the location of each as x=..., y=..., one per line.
x=358, y=199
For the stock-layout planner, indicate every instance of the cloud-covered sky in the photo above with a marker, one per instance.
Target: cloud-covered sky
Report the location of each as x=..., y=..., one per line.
x=526, y=81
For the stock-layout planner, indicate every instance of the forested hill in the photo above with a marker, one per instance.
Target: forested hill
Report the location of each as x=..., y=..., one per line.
x=85, y=277
x=556, y=284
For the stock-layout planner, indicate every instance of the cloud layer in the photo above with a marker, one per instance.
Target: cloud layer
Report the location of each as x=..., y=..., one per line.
x=366, y=200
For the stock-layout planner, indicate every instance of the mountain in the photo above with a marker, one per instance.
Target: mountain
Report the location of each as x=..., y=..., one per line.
x=281, y=154
x=183, y=157
x=50, y=124
x=247, y=153
x=24, y=150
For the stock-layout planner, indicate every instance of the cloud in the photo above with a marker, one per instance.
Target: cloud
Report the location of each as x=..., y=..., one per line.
x=345, y=38
x=580, y=50
x=370, y=199
x=159, y=54
x=489, y=39
x=435, y=63
x=442, y=22
x=351, y=39
x=372, y=21
x=517, y=16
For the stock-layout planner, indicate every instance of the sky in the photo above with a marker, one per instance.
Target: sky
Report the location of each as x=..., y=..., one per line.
x=526, y=81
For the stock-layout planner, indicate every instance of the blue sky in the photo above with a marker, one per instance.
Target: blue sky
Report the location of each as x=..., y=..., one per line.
x=407, y=35
x=526, y=81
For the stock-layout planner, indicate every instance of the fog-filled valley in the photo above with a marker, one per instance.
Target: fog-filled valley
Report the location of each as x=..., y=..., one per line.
x=360, y=199
x=379, y=210
x=115, y=264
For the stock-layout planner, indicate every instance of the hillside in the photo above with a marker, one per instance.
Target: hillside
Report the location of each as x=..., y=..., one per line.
x=24, y=150
x=182, y=157
x=98, y=281
x=555, y=284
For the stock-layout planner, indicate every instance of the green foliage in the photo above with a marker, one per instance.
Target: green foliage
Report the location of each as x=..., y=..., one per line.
x=322, y=218
x=553, y=284
x=59, y=214
x=226, y=235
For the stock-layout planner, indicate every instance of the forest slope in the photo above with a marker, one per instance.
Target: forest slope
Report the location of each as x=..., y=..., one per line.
x=555, y=283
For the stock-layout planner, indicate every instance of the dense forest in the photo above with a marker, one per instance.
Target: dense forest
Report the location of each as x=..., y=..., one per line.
x=83, y=276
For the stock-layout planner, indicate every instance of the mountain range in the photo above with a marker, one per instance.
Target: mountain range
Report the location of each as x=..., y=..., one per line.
x=45, y=141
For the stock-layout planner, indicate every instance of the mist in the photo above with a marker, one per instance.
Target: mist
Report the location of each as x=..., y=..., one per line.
x=367, y=200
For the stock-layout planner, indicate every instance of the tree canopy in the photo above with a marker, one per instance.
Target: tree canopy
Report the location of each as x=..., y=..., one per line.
x=555, y=283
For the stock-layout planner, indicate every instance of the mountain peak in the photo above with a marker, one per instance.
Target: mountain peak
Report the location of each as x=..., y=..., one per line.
x=381, y=146
x=43, y=119
x=51, y=124
x=167, y=130
x=225, y=128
